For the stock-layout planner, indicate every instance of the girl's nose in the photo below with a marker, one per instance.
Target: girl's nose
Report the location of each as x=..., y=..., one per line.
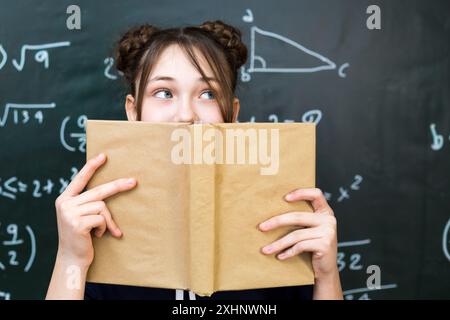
x=186, y=113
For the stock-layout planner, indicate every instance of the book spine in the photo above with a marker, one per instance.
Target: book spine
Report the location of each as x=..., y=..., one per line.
x=201, y=221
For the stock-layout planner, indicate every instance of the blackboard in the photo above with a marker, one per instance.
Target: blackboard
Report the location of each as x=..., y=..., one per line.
x=380, y=98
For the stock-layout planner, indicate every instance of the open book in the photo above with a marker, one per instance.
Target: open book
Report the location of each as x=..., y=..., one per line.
x=192, y=221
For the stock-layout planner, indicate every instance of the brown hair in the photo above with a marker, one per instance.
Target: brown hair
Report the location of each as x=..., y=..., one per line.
x=220, y=43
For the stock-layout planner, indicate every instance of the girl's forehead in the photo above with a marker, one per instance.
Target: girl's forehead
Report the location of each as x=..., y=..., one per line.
x=174, y=62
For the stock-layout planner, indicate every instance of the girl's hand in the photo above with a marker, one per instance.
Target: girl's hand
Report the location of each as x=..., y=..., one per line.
x=79, y=213
x=317, y=233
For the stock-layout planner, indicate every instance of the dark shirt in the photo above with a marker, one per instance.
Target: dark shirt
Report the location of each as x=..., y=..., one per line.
x=96, y=291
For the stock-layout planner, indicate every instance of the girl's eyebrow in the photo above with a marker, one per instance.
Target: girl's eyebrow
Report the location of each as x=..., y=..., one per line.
x=208, y=78
x=161, y=78
x=166, y=78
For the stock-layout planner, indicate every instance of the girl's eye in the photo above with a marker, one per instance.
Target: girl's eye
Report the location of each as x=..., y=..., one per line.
x=163, y=94
x=209, y=95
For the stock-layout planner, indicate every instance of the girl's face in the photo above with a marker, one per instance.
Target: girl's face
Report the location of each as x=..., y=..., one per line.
x=176, y=92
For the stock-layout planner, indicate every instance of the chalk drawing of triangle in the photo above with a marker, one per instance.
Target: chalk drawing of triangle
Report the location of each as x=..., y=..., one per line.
x=323, y=63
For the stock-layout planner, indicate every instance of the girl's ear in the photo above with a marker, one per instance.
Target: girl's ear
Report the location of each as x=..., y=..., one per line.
x=236, y=106
x=130, y=108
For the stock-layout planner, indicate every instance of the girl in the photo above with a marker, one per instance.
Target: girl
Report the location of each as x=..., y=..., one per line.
x=183, y=75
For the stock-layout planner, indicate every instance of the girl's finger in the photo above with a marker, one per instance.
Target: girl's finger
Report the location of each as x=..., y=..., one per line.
x=310, y=245
x=82, y=178
x=105, y=190
x=291, y=239
x=303, y=219
x=314, y=195
x=99, y=207
x=87, y=223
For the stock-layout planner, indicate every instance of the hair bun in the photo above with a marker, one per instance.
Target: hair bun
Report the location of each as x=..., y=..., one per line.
x=230, y=38
x=130, y=48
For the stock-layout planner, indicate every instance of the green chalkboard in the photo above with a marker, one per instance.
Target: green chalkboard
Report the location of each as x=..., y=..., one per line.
x=380, y=98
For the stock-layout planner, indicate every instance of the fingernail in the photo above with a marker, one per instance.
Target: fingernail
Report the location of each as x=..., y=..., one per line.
x=101, y=156
x=265, y=225
x=267, y=249
x=281, y=256
x=131, y=181
x=289, y=196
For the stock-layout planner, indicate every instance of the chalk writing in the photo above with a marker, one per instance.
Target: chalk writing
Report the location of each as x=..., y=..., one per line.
x=259, y=63
x=344, y=192
x=41, y=55
x=12, y=244
x=313, y=116
x=12, y=186
x=80, y=137
x=22, y=113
